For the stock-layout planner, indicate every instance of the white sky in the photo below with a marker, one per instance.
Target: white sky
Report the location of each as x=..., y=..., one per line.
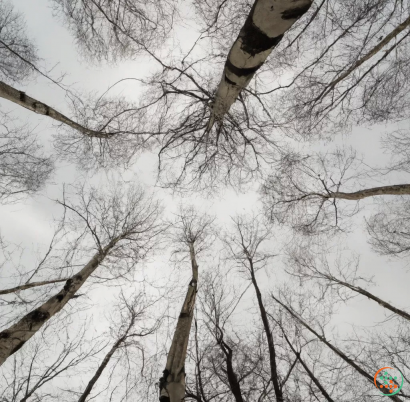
x=29, y=223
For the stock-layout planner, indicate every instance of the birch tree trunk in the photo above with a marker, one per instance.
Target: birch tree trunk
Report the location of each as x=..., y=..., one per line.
x=14, y=337
x=20, y=98
x=172, y=384
x=336, y=350
x=398, y=189
x=265, y=26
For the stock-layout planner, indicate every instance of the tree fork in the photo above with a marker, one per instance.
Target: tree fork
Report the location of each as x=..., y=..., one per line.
x=336, y=350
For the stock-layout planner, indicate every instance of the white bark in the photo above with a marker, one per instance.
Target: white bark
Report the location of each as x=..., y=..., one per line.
x=14, y=337
x=262, y=31
x=173, y=385
x=20, y=98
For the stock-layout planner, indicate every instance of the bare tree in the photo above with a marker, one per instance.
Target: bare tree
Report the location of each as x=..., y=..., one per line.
x=33, y=369
x=389, y=229
x=15, y=45
x=305, y=190
x=308, y=268
x=335, y=349
x=122, y=229
x=192, y=233
x=114, y=30
x=127, y=335
x=244, y=245
x=24, y=168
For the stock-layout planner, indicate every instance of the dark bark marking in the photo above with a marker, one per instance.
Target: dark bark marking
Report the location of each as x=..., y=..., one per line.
x=68, y=284
x=241, y=72
x=295, y=13
x=37, y=316
x=4, y=335
x=78, y=277
x=17, y=347
x=184, y=315
x=164, y=398
x=229, y=81
x=22, y=96
x=255, y=41
x=47, y=111
x=59, y=297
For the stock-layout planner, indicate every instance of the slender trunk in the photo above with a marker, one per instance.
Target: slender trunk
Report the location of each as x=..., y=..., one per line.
x=234, y=384
x=100, y=369
x=268, y=333
x=309, y=373
x=30, y=285
x=172, y=384
x=363, y=292
x=398, y=189
x=337, y=351
x=20, y=98
x=267, y=21
x=14, y=337
x=393, y=34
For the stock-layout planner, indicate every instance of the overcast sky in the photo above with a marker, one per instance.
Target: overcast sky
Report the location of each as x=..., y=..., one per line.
x=29, y=223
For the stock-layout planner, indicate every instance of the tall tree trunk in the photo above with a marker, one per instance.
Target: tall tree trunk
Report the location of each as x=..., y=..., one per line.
x=268, y=333
x=398, y=189
x=392, y=35
x=364, y=292
x=100, y=369
x=172, y=384
x=14, y=337
x=20, y=98
x=267, y=21
x=30, y=285
x=309, y=373
x=337, y=351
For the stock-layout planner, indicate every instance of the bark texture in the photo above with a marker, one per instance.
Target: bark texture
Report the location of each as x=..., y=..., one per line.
x=36, y=106
x=262, y=31
x=398, y=189
x=336, y=350
x=14, y=337
x=172, y=384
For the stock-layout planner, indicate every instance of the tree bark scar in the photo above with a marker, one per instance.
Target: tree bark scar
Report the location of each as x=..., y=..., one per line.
x=59, y=297
x=4, y=335
x=295, y=13
x=229, y=81
x=37, y=316
x=68, y=284
x=164, y=398
x=241, y=72
x=15, y=349
x=22, y=96
x=184, y=315
x=47, y=111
